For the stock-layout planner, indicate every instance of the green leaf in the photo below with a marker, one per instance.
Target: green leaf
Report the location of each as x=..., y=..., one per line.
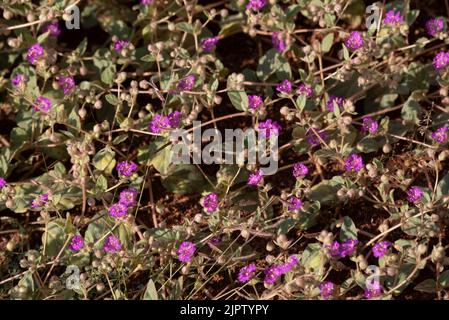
x=104, y=160
x=326, y=43
x=348, y=229
x=239, y=100
x=443, y=281
x=411, y=110
x=442, y=187
x=185, y=179
x=273, y=63
x=428, y=286
x=112, y=99
x=150, y=292
x=54, y=237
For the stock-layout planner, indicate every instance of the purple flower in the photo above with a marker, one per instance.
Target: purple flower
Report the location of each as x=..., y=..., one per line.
x=187, y=83
x=76, y=244
x=434, y=26
x=208, y=44
x=348, y=247
x=39, y=201
x=338, y=100
x=42, y=104
x=53, y=28
x=369, y=125
x=415, y=194
x=441, y=60
x=354, y=163
x=300, y=170
x=174, y=119
x=17, y=80
x=126, y=168
x=393, y=17
x=146, y=2
x=119, y=45
x=326, y=289
x=35, y=52
x=272, y=274
x=334, y=249
x=247, y=273
x=278, y=41
x=128, y=197
x=268, y=128
x=373, y=291
x=294, y=203
x=254, y=102
x=160, y=123
x=112, y=244
x=312, y=138
x=255, y=4
x=354, y=41
x=305, y=89
x=381, y=248
x=67, y=83
x=284, y=87
x=2, y=183
x=215, y=241
x=186, y=251
x=440, y=135
x=210, y=202
x=118, y=210
x=256, y=178
x=292, y=261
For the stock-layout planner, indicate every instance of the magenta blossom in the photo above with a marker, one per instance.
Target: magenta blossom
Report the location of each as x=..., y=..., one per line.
x=313, y=139
x=354, y=41
x=76, y=244
x=126, y=168
x=300, y=170
x=348, y=247
x=112, y=244
x=339, y=101
x=256, y=178
x=35, y=52
x=210, y=202
x=40, y=201
x=209, y=44
x=146, y=2
x=284, y=87
x=42, y=104
x=278, y=41
x=17, y=80
x=246, y=273
x=254, y=102
x=269, y=128
x=255, y=4
x=440, y=135
x=118, y=210
x=53, y=29
x=187, y=83
x=161, y=123
x=393, y=17
x=185, y=251
x=305, y=89
x=369, y=125
x=374, y=291
x=128, y=197
x=326, y=289
x=415, y=194
x=119, y=45
x=272, y=274
x=354, y=163
x=441, y=60
x=2, y=183
x=381, y=248
x=294, y=203
x=67, y=84
x=434, y=26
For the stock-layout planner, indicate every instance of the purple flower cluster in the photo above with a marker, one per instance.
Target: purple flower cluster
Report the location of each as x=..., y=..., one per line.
x=305, y=89
x=374, y=291
x=210, y=202
x=53, y=29
x=17, y=80
x=118, y=210
x=268, y=128
x=415, y=194
x=76, y=244
x=284, y=87
x=392, y=17
x=256, y=4
x=369, y=125
x=119, y=45
x=67, y=83
x=42, y=104
x=39, y=201
x=344, y=249
x=274, y=272
x=246, y=273
x=35, y=52
x=326, y=289
x=146, y=2
x=440, y=135
x=254, y=102
x=185, y=251
x=209, y=44
x=339, y=101
x=300, y=170
x=2, y=182
x=160, y=123
x=112, y=244
x=354, y=41
x=434, y=26
x=126, y=168
x=313, y=139
x=187, y=83
x=128, y=197
x=256, y=178
x=354, y=163
x=381, y=248
x=441, y=60
x=278, y=41
x=294, y=203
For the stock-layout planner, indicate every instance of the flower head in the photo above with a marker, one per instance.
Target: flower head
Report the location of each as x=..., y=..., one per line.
x=128, y=197
x=146, y=2
x=210, y=202
x=415, y=194
x=440, y=135
x=354, y=41
x=313, y=139
x=284, y=87
x=208, y=44
x=326, y=289
x=185, y=251
x=294, y=203
x=381, y=248
x=268, y=128
x=76, y=244
x=256, y=178
x=187, y=83
x=53, y=29
x=369, y=125
x=118, y=210
x=392, y=17
x=35, y=52
x=441, y=60
x=272, y=274
x=300, y=170
x=39, y=201
x=112, y=244
x=17, y=80
x=254, y=102
x=120, y=44
x=174, y=119
x=255, y=4
x=126, y=168
x=334, y=249
x=160, y=123
x=373, y=291
x=2, y=182
x=348, y=247
x=278, y=41
x=67, y=83
x=42, y=104
x=339, y=101
x=305, y=89
x=434, y=26
x=246, y=273
x=354, y=163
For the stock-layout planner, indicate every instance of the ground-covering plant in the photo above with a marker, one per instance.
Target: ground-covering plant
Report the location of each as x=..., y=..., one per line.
x=355, y=93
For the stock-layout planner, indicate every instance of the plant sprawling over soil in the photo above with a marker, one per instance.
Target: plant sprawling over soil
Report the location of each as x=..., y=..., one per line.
x=356, y=92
